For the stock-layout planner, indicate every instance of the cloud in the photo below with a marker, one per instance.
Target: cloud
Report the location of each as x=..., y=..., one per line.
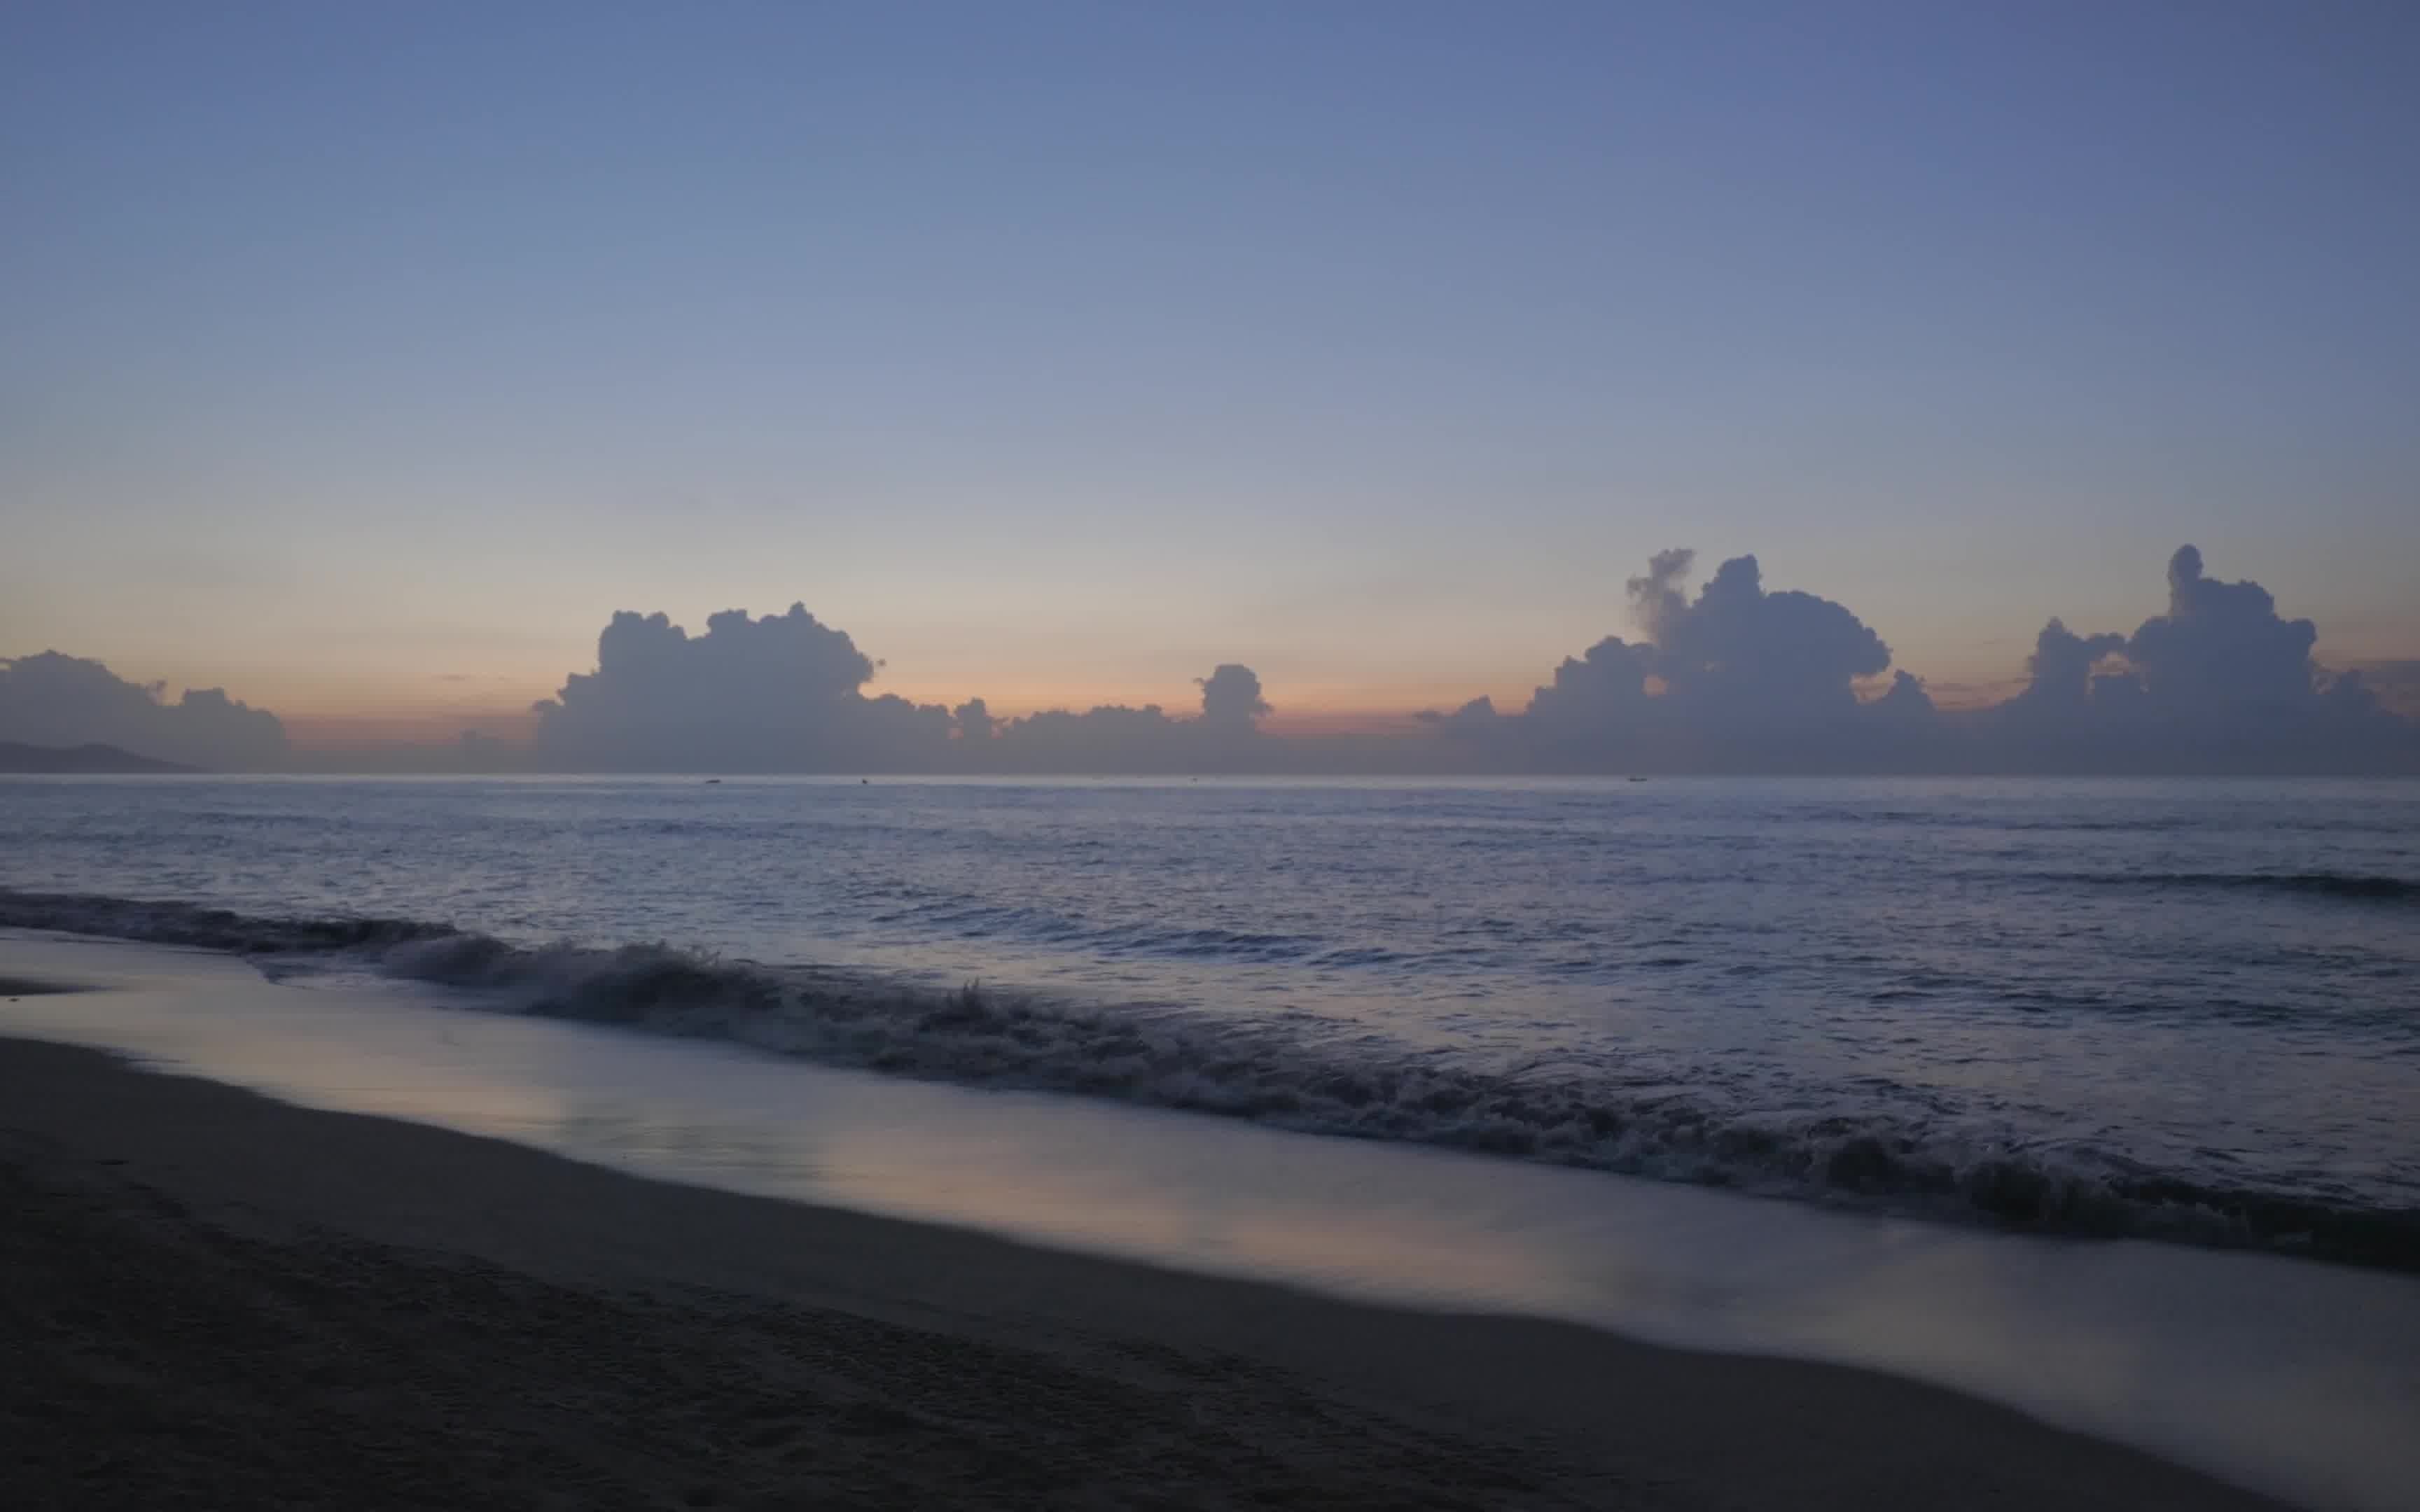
x=782, y=693
x=2220, y=683
x=786, y=693
x=1743, y=679
x=1733, y=677
x=1231, y=698
x=1749, y=658
x=2060, y=671
x=2394, y=681
x=55, y=700
x=974, y=721
x=1111, y=738
x=1905, y=702
x=2220, y=646
x=1736, y=679
x=1474, y=720
x=1600, y=695
x=1657, y=600
x=1117, y=738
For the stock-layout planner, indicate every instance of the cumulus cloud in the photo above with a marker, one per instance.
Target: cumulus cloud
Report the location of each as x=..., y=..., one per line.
x=1111, y=738
x=1905, y=702
x=1473, y=719
x=1739, y=678
x=1736, y=678
x=1600, y=694
x=1657, y=600
x=786, y=693
x=2220, y=645
x=2060, y=671
x=1231, y=698
x=781, y=693
x=974, y=721
x=1741, y=654
x=1733, y=677
x=2395, y=682
x=1114, y=737
x=2220, y=683
x=55, y=700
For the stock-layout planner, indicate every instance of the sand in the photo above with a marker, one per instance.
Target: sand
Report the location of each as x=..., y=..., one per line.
x=211, y=1299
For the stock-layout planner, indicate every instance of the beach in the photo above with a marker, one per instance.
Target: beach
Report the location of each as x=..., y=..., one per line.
x=212, y=1298
x=1597, y=756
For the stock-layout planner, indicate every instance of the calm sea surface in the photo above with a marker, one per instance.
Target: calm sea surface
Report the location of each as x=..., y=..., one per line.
x=2187, y=1009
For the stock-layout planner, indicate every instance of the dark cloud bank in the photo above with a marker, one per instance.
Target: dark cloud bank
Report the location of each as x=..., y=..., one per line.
x=1729, y=678
x=52, y=700
x=1740, y=679
x=786, y=693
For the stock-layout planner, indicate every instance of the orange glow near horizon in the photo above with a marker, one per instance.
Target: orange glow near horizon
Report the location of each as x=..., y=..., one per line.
x=356, y=717
x=366, y=729
x=354, y=714
x=428, y=726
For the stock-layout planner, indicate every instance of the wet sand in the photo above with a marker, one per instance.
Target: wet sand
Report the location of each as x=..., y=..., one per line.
x=211, y=1299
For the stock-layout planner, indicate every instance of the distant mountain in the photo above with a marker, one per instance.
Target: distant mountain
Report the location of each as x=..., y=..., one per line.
x=80, y=759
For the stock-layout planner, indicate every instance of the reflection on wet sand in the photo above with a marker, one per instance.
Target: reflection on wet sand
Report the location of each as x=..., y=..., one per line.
x=2286, y=1375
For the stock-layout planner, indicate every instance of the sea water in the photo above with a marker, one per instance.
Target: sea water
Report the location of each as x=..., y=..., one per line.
x=2182, y=1010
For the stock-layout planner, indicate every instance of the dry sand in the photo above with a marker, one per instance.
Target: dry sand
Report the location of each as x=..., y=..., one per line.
x=210, y=1299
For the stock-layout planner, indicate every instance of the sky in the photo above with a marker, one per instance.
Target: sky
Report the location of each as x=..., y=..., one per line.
x=364, y=360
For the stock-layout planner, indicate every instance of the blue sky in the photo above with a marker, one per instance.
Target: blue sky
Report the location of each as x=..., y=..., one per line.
x=365, y=358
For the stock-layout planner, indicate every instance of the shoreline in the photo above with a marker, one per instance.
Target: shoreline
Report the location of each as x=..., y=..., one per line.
x=951, y=1366
x=914, y=1026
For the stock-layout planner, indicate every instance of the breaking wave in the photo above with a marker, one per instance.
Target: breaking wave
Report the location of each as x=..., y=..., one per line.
x=1292, y=1071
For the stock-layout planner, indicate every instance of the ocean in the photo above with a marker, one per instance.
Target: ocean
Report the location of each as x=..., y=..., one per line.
x=2182, y=1011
